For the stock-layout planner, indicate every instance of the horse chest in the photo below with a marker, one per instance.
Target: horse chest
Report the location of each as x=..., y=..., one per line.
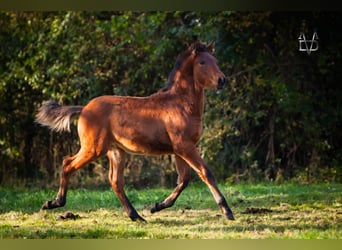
x=187, y=130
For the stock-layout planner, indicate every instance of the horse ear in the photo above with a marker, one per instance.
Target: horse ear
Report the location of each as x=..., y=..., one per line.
x=211, y=47
x=194, y=47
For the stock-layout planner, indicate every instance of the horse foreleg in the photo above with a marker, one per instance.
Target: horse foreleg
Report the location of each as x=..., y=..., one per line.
x=183, y=171
x=192, y=157
x=116, y=178
x=70, y=165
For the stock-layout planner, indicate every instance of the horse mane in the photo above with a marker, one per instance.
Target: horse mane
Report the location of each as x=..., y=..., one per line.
x=196, y=47
x=171, y=79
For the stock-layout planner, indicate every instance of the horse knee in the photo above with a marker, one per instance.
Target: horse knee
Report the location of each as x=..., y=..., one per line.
x=206, y=175
x=116, y=185
x=113, y=183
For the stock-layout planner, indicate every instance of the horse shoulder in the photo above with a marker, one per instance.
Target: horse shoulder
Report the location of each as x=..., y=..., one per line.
x=182, y=127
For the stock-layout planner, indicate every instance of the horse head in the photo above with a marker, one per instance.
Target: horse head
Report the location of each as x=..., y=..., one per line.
x=206, y=73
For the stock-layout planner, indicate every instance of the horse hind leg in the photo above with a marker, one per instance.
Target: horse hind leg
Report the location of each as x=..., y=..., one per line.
x=183, y=170
x=116, y=159
x=70, y=165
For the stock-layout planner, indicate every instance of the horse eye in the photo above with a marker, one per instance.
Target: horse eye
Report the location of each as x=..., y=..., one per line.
x=202, y=62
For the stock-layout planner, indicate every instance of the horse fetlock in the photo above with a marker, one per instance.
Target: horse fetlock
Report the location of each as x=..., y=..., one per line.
x=157, y=207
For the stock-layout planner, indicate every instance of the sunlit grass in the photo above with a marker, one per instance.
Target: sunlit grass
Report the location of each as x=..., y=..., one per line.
x=297, y=212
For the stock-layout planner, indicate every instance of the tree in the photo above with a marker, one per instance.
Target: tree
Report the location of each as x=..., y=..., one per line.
x=278, y=118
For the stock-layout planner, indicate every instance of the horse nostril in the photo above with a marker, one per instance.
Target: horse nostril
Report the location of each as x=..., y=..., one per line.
x=221, y=82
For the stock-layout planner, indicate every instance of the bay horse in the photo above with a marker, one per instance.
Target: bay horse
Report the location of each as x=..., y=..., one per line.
x=166, y=122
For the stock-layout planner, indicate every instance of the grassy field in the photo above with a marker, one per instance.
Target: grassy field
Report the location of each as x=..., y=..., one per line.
x=263, y=211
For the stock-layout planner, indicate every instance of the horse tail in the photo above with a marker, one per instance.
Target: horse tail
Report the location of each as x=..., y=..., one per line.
x=57, y=117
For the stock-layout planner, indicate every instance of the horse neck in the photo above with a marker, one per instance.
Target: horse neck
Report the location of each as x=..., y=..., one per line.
x=190, y=94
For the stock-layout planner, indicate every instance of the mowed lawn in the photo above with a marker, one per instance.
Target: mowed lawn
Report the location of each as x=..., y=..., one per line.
x=262, y=211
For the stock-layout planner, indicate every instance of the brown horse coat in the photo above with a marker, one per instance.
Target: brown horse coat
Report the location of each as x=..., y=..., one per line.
x=167, y=122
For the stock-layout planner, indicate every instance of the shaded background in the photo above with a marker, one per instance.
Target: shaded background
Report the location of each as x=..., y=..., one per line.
x=278, y=119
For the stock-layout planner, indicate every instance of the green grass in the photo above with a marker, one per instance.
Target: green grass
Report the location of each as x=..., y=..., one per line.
x=297, y=212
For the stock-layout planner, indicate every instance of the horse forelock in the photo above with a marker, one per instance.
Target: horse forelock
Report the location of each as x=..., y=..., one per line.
x=200, y=47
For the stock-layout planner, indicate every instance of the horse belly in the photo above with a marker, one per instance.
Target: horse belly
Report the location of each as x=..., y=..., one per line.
x=138, y=139
x=147, y=148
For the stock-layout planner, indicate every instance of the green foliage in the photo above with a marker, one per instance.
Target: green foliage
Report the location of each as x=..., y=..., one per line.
x=278, y=118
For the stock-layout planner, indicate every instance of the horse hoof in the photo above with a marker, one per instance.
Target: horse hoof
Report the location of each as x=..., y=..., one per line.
x=135, y=216
x=154, y=209
x=46, y=205
x=138, y=219
x=53, y=204
x=230, y=216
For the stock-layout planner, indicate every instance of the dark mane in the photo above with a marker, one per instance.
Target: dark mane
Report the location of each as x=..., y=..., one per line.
x=171, y=79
